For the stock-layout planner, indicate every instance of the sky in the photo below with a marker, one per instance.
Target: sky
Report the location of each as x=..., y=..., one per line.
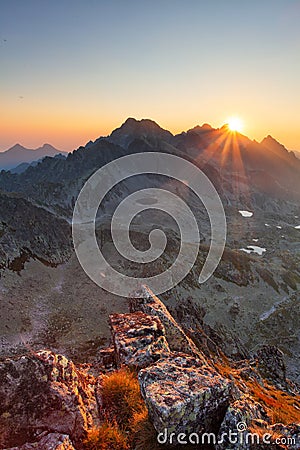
x=73, y=70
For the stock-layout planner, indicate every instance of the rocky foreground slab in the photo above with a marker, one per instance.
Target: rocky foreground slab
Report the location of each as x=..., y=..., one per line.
x=47, y=403
x=184, y=396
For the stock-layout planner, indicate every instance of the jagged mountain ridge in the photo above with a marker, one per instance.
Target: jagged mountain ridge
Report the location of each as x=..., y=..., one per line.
x=20, y=168
x=263, y=168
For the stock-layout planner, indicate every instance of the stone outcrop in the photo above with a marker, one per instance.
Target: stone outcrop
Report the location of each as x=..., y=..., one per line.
x=270, y=364
x=139, y=339
x=44, y=391
x=49, y=404
x=176, y=337
x=239, y=416
x=51, y=441
x=183, y=395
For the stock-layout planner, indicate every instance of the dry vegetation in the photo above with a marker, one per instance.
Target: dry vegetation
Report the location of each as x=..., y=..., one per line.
x=126, y=424
x=125, y=418
x=280, y=406
x=107, y=437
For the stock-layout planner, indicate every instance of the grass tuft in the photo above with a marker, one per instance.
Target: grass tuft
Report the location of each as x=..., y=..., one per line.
x=126, y=424
x=107, y=437
x=121, y=396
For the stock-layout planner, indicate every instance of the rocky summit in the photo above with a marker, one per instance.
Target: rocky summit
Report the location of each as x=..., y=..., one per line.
x=47, y=402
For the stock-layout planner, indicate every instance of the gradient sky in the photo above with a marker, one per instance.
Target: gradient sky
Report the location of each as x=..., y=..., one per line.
x=73, y=70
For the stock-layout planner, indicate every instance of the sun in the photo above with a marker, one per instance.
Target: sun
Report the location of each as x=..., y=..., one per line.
x=235, y=124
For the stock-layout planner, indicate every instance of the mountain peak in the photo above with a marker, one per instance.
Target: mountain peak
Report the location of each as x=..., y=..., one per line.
x=47, y=145
x=133, y=129
x=49, y=149
x=272, y=144
x=130, y=120
x=143, y=124
x=206, y=126
x=225, y=126
x=201, y=129
x=275, y=147
x=270, y=139
x=17, y=146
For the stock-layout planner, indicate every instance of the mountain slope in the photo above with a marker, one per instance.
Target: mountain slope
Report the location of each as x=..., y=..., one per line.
x=28, y=231
x=20, y=168
x=296, y=153
x=234, y=153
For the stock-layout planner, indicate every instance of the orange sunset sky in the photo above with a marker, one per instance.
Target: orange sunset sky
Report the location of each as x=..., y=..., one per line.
x=73, y=70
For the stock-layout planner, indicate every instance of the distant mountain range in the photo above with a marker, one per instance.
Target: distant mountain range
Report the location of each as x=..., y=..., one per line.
x=18, y=154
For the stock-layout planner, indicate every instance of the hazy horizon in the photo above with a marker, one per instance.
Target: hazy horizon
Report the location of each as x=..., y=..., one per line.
x=73, y=71
x=43, y=143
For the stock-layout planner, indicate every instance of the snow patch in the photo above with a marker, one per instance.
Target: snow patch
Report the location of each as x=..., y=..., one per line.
x=254, y=249
x=245, y=213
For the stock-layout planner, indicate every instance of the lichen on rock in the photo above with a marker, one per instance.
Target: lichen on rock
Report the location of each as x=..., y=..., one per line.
x=176, y=337
x=184, y=395
x=51, y=441
x=44, y=391
x=139, y=339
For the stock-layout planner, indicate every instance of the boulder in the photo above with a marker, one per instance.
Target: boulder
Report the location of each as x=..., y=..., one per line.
x=44, y=391
x=139, y=339
x=246, y=426
x=184, y=395
x=239, y=416
x=177, y=339
x=52, y=441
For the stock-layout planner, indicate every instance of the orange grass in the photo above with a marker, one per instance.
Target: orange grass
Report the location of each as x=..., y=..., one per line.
x=280, y=406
